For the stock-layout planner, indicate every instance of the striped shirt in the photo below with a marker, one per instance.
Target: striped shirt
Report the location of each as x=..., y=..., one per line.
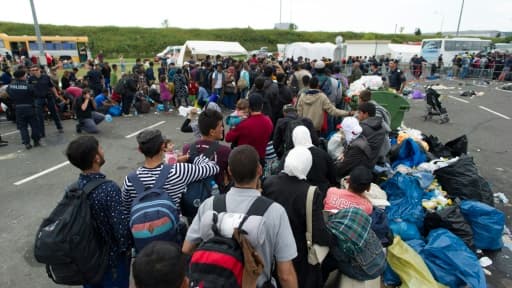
x=180, y=176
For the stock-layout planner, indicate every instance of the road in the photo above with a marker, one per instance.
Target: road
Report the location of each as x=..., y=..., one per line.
x=33, y=181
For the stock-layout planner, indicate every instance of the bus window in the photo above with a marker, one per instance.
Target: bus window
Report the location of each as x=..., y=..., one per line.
x=68, y=46
x=2, y=45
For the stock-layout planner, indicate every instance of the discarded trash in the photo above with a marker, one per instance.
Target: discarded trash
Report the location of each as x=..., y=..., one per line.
x=485, y=261
x=501, y=196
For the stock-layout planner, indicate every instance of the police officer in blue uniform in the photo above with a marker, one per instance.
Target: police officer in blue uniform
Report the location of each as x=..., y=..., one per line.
x=396, y=77
x=22, y=95
x=45, y=94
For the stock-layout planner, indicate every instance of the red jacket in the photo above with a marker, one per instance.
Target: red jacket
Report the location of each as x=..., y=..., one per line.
x=255, y=131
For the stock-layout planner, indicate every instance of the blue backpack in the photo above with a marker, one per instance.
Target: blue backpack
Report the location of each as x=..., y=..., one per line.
x=153, y=216
x=326, y=87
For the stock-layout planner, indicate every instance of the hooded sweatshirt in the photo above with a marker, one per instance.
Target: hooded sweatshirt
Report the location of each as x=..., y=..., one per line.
x=313, y=104
x=376, y=134
x=356, y=153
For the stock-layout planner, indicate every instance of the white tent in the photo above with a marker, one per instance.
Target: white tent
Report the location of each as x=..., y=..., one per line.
x=309, y=50
x=200, y=49
x=403, y=51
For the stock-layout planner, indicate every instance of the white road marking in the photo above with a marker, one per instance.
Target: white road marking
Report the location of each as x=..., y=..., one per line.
x=494, y=112
x=498, y=88
x=149, y=127
x=10, y=133
x=458, y=99
x=41, y=173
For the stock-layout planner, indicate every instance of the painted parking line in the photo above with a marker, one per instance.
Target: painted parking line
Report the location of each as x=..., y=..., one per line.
x=41, y=173
x=494, y=112
x=458, y=99
x=508, y=91
x=10, y=133
x=149, y=127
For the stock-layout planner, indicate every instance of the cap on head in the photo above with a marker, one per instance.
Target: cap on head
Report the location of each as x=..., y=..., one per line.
x=319, y=65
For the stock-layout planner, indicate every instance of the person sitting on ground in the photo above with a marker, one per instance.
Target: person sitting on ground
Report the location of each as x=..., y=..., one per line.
x=88, y=118
x=358, y=182
x=103, y=102
x=160, y=264
x=357, y=151
x=375, y=132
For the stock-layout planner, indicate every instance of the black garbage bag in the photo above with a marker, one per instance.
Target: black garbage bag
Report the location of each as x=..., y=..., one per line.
x=458, y=146
x=451, y=219
x=461, y=180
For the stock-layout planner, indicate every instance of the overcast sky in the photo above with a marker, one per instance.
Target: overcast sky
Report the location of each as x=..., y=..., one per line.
x=309, y=15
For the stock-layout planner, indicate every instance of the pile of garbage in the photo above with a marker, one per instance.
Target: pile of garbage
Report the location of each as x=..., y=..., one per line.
x=441, y=212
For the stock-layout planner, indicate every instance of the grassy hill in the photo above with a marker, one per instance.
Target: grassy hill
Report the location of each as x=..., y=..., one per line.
x=146, y=42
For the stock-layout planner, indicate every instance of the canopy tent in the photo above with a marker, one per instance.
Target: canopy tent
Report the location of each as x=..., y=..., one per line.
x=309, y=50
x=200, y=49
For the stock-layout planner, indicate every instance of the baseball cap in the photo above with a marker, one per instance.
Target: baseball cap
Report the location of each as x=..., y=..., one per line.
x=149, y=135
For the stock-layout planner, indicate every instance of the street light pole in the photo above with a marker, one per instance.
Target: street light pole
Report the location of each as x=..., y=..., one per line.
x=42, y=58
x=460, y=17
x=280, y=11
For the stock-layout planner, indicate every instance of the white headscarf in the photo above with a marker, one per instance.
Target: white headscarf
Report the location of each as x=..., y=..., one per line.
x=298, y=162
x=301, y=137
x=351, y=128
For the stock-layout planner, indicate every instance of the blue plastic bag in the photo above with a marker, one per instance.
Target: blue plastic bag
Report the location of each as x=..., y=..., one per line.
x=390, y=277
x=407, y=231
x=417, y=245
x=486, y=222
x=404, y=194
x=451, y=262
x=114, y=111
x=410, y=154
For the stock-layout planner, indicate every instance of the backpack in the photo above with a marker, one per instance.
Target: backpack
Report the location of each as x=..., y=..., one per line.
x=326, y=86
x=153, y=215
x=68, y=242
x=199, y=190
x=294, y=85
x=228, y=262
x=121, y=86
x=288, y=134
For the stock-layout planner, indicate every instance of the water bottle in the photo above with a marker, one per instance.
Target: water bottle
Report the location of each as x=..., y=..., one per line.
x=215, y=188
x=108, y=118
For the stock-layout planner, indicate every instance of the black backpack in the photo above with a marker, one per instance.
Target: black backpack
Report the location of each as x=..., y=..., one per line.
x=121, y=86
x=294, y=85
x=288, y=134
x=68, y=242
x=220, y=261
x=199, y=190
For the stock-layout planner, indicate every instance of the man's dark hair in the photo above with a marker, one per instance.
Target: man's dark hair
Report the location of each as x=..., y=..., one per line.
x=243, y=164
x=259, y=83
x=367, y=107
x=159, y=265
x=360, y=179
x=82, y=151
x=267, y=71
x=280, y=77
x=305, y=80
x=255, y=102
x=313, y=83
x=150, y=142
x=208, y=120
x=365, y=95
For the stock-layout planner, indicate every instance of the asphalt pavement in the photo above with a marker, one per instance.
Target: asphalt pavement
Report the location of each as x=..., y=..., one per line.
x=32, y=181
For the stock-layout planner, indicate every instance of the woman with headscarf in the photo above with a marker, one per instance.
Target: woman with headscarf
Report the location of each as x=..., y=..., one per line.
x=322, y=173
x=357, y=151
x=289, y=188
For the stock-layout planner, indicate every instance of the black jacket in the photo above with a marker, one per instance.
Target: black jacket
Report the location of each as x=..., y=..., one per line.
x=279, y=138
x=323, y=171
x=291, y=193
x=375, y=134
x=357, y=153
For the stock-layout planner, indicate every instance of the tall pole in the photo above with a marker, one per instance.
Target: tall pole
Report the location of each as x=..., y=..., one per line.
x=280, y=10
x=42, y=58
x=460, y=17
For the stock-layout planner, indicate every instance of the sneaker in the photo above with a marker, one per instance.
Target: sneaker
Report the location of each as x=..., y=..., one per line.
x=3, y=144
x=78, y=128
x=37, y=143
x=28, y=146
x=61, y=130
x=127, y=115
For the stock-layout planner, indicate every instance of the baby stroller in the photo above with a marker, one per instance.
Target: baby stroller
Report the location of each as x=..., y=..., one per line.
x=434, y=106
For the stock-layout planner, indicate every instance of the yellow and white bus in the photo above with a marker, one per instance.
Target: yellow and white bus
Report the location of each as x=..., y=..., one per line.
x=74, y=48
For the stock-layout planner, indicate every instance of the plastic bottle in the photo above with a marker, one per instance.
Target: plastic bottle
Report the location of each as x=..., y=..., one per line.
x=108, y=118
x=215, y=188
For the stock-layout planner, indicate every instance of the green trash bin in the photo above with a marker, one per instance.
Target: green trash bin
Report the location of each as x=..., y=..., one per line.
x=394, y=103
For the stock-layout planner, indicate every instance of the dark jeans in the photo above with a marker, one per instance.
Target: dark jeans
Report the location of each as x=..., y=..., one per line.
x=229, y=100
x=25, y=116
x=50, y=103
x=127, y=101
x=89, y=125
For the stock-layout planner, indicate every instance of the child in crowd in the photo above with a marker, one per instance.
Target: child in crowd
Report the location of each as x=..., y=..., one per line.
x=165, y=93
x=241, y=113
x=171, y=156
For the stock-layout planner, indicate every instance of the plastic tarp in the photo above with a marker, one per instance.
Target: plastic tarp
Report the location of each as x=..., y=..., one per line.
x=410, y=154
x=204, y=48
x=451, y=262
x=486, y=222
x=309, y=50
x=450, y=218
x=405, y=195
